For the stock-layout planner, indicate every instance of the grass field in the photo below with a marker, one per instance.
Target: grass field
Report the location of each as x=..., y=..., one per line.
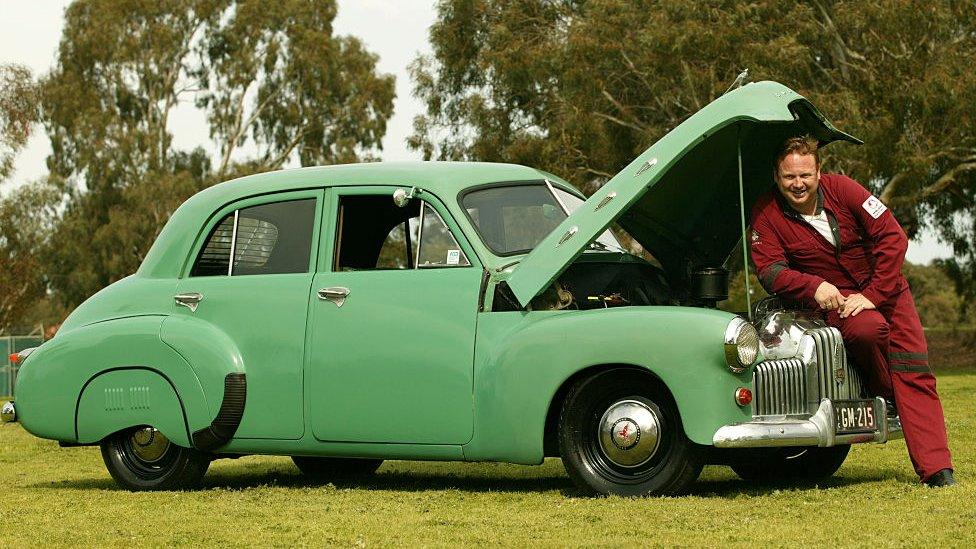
x=62, y=496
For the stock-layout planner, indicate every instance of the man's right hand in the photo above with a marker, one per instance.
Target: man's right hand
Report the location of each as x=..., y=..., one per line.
x=828, y=296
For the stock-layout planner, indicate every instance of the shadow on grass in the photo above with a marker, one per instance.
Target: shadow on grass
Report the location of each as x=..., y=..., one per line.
x=851, y=476
x=399, y=481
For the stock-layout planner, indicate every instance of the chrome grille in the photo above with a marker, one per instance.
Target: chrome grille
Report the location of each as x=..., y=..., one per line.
x=797, y=385
x=780, y=387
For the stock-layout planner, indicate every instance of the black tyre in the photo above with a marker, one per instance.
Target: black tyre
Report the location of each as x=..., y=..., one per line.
x=328, y=468
x=620, y=433
x=143, y=459
x=783, y=464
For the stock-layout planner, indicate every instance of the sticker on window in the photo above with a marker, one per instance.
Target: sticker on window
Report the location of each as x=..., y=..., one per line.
x=874, y=207
x=453, y=257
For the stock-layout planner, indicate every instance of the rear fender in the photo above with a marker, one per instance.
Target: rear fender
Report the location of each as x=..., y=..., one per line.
x=51, y=382
x=219, y=366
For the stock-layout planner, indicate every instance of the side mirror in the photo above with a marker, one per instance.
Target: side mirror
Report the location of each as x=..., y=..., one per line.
x=402, y=197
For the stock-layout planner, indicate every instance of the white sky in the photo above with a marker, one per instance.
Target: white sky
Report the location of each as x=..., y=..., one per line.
x=396, y=30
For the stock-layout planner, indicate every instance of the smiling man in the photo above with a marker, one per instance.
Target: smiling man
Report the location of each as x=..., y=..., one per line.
x=822, y=239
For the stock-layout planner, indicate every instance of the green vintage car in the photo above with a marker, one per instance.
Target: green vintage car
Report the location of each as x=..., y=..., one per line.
x=344, y=315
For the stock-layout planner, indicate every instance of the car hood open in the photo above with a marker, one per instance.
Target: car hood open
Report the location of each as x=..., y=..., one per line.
x=680, y=198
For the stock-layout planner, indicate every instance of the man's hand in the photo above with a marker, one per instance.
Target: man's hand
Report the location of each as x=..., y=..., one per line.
x=829, y=297
x=855, y=304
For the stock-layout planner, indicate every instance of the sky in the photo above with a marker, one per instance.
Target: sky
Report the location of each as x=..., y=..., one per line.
x=396, y=30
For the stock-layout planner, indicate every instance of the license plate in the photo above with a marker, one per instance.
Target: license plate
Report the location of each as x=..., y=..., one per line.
x=854, y=416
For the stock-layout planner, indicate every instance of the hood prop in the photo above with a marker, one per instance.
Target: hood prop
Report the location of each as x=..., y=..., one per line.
x=742, y=219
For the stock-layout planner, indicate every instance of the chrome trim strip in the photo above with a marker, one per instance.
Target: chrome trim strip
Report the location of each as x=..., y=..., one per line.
x=818, y=430
x=559, y=201
x=233, y=245
x=420, y=233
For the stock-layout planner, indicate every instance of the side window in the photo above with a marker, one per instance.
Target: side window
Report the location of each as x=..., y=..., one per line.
x=438, y=247
x=374, y=233
x=271, y=238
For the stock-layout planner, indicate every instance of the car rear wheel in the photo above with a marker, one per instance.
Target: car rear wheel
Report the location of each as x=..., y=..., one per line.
x=620, y=433
x=327, y=468
x=778, y=464
x=144, y=459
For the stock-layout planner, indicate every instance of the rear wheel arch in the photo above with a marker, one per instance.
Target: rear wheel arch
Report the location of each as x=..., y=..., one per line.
x=551, y=429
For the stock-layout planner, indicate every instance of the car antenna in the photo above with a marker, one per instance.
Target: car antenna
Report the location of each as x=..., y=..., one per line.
x=739, y=81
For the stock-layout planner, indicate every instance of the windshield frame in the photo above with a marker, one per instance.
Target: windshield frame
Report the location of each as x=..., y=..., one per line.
x=549, y=184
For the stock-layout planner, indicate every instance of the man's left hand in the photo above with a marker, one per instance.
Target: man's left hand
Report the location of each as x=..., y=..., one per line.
x=855, y=304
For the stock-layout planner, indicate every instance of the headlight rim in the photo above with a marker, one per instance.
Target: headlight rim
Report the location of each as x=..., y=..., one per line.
x=733, y=357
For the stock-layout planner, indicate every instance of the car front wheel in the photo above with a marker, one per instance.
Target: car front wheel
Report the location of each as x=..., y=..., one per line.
x=144, y=459
x=620, y=433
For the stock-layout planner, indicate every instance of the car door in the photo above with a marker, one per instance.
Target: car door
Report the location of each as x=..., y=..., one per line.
x=393, y=314
x=260, y=300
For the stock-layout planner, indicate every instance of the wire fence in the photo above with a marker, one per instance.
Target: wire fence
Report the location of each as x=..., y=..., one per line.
x=8, y=372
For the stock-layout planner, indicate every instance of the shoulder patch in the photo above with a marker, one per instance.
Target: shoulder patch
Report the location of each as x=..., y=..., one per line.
x=874, y=207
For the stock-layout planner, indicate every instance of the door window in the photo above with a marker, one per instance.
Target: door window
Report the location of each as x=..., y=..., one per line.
x=374, y=233
x=273, y=238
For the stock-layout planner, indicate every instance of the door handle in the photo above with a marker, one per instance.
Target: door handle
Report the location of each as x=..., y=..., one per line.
x=335, y=294
x=189, y=300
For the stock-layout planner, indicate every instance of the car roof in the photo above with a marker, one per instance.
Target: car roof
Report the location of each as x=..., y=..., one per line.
x=444, y=179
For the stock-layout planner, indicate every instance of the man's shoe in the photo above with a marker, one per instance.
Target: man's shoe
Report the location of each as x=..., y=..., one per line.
x=940, y=479
x=890, y=409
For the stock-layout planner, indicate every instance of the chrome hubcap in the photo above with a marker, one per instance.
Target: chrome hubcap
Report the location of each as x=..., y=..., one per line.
x=149, y=445
x=630, y=433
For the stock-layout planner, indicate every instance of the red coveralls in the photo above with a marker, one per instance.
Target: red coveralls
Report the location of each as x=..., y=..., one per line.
x=887, y=344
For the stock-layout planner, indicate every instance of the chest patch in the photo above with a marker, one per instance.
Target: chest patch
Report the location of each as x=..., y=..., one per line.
x=874, y=207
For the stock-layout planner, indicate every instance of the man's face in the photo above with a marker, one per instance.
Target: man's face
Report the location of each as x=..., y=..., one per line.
x=798, y=177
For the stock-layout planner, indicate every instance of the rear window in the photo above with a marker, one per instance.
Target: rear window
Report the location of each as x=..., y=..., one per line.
x=273, y=238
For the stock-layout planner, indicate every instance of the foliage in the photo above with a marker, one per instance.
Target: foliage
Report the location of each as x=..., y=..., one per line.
x=27, y=215
x=18, y=112
x=581, y=87
x=64, y=496
x=274, y=83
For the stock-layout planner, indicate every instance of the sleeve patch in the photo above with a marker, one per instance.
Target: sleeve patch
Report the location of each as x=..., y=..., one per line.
x=874, y=207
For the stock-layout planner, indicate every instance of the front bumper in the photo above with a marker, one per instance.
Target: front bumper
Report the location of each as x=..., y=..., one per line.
x=818, y=430
x=9, y=412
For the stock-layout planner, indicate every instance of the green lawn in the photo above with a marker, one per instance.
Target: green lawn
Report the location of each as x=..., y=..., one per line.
x=65, y=496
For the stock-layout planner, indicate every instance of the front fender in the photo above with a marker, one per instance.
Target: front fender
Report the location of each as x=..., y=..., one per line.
x=51, y=380
x=525, y=358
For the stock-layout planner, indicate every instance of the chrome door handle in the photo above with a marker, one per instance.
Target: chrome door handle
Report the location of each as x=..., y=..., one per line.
x=190, y=300
x=335, y=294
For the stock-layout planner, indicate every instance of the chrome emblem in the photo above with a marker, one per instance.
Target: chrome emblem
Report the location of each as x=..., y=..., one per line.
x=626, y=433
x=840, y=374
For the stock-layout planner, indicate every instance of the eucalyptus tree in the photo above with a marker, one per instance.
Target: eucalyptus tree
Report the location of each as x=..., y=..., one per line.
x=582, y=86
x=272, y=81
x=18, y=113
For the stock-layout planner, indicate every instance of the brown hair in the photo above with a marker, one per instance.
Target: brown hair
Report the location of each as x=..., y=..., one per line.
x=801, y=145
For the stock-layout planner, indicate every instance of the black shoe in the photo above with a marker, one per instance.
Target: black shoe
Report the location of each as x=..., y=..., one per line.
x=890, y=409
x=940, y=479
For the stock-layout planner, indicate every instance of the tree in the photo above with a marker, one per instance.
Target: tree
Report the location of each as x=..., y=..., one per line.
x=18, y=112
x=581, y=87
x=274, y=83
x=27, y=215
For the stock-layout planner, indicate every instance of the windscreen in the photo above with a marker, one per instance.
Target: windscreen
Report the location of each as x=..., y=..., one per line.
x=513, y=219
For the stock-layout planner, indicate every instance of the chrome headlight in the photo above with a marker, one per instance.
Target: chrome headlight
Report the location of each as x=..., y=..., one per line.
x=741, y=344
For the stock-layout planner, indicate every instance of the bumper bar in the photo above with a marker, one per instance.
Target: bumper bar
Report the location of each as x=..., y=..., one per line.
x=9, y=412
x=818, y=430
